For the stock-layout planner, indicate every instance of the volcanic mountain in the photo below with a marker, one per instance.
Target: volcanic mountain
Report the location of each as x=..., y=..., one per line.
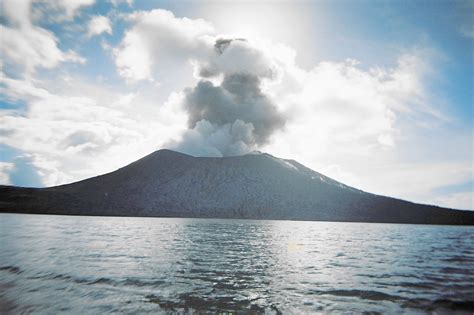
x=254, y=186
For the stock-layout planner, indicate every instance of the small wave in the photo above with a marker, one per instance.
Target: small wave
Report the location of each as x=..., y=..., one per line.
x=459, y=259
x=190, y=302
x=416, y=285
x=98, y=281
x=441, y=304
x=136, y=282
x=375, y=276
x=51, y=276
x=451, y=270
x=12, y=269
x=363, y=294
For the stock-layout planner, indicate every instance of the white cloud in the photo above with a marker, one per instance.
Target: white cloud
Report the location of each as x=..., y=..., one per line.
x=18, y=12
x=70, y=136
x=31, y=47
x=133, y=60
x=27, y=46
x=58, y=10
x=237, y=57
x=71, y=7
x=5, y=170
x=99, y=24
x=344, y=109
x=117, y=2
x=157, y=42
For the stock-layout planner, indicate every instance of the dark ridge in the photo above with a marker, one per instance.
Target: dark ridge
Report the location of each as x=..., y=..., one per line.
x=166, y=183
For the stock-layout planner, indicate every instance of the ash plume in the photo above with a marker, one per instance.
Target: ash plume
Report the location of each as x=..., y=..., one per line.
x=235, y=116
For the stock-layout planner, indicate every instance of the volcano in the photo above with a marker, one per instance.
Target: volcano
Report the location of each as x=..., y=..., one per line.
x=253, y=186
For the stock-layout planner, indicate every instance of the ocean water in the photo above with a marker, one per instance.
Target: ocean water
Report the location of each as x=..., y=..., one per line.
x=53, y=264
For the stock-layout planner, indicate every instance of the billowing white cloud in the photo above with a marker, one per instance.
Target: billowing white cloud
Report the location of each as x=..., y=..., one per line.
x=236, y=57
x=99, y=24
x=346, y=108
x=157, y=41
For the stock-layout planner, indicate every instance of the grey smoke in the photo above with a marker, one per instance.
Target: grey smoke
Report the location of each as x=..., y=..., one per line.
x=234, y=117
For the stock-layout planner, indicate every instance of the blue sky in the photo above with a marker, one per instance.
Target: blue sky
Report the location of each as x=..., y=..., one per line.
x=376, y=94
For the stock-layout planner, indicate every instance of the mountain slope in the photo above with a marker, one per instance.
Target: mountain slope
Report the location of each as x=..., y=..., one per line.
x=254, y=186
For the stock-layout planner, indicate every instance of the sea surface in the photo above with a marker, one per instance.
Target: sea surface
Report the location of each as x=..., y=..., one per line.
x=53, y=264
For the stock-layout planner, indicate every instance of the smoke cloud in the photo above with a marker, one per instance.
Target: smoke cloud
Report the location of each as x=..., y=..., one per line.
x=235, y=116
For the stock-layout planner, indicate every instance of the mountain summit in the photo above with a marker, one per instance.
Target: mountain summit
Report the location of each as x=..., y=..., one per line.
x=254, y=186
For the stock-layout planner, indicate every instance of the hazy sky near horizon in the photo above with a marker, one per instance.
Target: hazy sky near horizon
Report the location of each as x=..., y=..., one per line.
x=375, y=94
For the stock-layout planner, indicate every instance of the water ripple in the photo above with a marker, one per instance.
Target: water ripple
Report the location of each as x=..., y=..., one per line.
x=141, y=265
